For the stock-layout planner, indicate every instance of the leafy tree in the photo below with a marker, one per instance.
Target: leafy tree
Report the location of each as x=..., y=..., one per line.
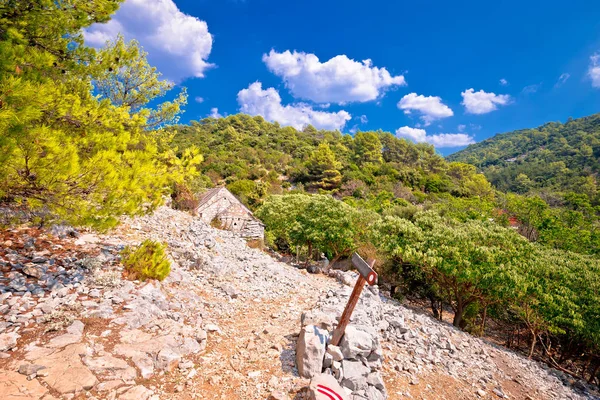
x=367, y=148
x=323, y=168
x=319, y=222
x=249, y=192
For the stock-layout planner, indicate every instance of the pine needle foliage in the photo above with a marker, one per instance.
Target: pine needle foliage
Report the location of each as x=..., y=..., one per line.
x=147, y=261
x=73, y=142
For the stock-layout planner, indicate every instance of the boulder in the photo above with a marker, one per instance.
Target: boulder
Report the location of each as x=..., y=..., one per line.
x=355, y=375
x=30, y=369
x=335, y=352
x=374, y=394
x=356, y=342
x=310, y=350
x=325, y=387
x=8, y=340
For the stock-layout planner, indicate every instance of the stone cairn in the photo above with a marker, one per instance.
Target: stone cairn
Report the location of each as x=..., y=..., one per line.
x=355, y=364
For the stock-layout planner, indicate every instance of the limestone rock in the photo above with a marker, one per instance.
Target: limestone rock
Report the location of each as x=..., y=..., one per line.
x=14, y=386
x=310, y=350
x=136, y=393
x=167, y=359
x=325, y=387
x=8, y=340
x=374, y=394
x=30, y=369
x=355, y=375
x=32, y=271
x=335, y=352
x=356, y=342
x=111, y=367
x=144, y=364
x=65, y=371
x=73, y=335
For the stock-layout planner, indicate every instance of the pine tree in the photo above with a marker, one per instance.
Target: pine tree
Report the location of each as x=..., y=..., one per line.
x=62, y=149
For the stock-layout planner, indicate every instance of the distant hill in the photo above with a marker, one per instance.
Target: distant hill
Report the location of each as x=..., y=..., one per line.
x=553, y=158
x=254, y=157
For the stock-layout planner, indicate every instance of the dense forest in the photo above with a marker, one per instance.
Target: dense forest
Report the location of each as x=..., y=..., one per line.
x=551, y=160
x=86, y=137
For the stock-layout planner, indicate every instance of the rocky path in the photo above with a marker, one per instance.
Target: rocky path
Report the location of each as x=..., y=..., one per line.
x=223, y=325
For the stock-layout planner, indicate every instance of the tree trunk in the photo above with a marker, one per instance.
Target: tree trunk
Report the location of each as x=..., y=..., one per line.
x=483, y=320
x=309, y=255
x=533, y=342
x=434, y=308
x=458, y=315
x=331, y=263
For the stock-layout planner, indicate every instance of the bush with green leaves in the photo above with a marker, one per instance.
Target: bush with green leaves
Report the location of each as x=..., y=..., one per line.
x=147, y=261
x=318, y=222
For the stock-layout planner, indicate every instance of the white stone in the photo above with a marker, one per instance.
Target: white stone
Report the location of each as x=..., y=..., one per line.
x=310, y=350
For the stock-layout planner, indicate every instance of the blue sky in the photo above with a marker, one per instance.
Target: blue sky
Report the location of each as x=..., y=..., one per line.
x=448, y=73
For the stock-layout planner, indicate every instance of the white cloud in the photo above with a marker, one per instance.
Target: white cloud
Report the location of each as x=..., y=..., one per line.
x=214, y=113
x=439, y=140
x=482, y=102
x=594, y=71
x=267, y=103
x=531, y=89
x=430, y=107
x=339, y=80
x=414, y=134
x=562, y=79
x=199, y=99
x=363, y=119
x=461, y=127
x=450, y=140
x=503, y=82
x=177, y=44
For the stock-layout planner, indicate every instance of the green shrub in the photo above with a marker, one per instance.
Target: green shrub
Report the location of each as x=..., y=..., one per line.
x=147, y=261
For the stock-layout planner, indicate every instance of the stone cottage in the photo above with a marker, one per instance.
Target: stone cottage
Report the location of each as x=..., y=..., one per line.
x=219, y=203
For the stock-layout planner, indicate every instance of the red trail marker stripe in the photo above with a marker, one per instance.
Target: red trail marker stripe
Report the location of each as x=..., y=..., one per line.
x=328, y=392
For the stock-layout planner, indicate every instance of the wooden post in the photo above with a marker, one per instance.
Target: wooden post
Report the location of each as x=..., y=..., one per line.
x=366, y=275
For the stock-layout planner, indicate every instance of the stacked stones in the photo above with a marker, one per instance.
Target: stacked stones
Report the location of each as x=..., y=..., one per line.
x=355, y=363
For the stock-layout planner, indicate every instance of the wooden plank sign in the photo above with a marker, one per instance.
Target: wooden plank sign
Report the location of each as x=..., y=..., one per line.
x=365, y=269
x=366, y=275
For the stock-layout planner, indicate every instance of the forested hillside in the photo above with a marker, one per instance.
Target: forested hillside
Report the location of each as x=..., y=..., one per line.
x=256, y=157
x=553, y=159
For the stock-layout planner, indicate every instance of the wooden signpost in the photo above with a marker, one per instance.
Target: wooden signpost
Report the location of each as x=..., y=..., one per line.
x=366, y=275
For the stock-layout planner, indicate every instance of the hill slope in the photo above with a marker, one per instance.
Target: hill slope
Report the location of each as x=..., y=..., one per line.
x=215, y=328
x=554, y=157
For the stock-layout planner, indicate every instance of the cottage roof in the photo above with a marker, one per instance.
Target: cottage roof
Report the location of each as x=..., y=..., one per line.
x=206, y=197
